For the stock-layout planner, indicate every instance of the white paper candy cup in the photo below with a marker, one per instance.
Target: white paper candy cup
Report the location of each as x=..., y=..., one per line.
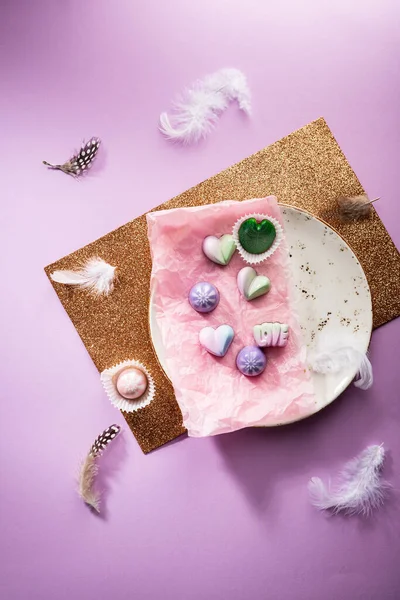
x=109, y=379
x=255, y=259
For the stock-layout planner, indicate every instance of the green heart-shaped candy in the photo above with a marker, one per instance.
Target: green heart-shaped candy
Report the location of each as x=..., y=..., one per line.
x=255, y=237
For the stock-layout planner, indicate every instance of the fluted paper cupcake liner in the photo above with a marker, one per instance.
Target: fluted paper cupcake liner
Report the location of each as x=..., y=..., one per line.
x=108, y=378
x=255, y=259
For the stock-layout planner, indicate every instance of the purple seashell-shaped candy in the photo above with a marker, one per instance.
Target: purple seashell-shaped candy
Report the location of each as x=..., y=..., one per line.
x=251, y=361
x=204, y=297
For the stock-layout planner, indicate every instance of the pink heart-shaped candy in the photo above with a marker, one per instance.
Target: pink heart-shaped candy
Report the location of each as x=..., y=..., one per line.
x=216, y=341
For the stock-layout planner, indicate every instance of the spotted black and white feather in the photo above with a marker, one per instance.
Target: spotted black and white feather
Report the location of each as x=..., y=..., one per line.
x=90, y=467
x=102, y=441
x=81, y=161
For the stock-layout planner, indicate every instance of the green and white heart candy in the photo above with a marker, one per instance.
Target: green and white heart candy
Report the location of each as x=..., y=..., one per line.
x=219, y=250
x=251, y=285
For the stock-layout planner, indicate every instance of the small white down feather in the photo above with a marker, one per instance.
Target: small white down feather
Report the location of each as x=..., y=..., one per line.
x=197, y=111
x=96, y=276
x=359, y=489
x=335, y=353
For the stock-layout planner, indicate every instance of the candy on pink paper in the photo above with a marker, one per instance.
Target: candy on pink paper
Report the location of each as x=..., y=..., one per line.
x=219, y=249
x=271, y=334
x=251, y=361
x=204, y=297
x=251, y=285
x=216, y=341
x=213, y=395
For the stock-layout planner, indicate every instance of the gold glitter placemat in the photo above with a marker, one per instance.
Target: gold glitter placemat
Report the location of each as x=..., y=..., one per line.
x=306, y=169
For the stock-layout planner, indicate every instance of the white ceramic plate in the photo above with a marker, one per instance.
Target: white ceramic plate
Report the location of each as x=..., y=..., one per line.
x=332, y=295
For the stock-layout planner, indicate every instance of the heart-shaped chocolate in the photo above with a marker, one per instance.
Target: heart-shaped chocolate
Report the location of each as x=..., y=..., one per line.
x=219, y=250
x=216, y=341
x=256, y=237
x=252, y=285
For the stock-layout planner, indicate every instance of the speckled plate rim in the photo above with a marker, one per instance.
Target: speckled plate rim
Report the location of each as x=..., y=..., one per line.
x=347, y=381
x=306, y=212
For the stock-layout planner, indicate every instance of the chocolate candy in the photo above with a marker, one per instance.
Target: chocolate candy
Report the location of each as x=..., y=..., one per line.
x=251, y=285
x=219, y=250
x=204, y=297
x=271, y=334
x=216, y=341
x=131, y=383
x=251, y=361
x=257, y=237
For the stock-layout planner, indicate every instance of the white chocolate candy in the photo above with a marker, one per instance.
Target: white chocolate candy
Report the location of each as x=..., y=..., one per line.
x=219, y=250
x=216, y=341
x=271, y=334
x=131, y=383
x=252, y=285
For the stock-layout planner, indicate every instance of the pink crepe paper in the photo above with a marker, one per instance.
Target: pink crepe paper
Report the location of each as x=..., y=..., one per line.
x=213, y=395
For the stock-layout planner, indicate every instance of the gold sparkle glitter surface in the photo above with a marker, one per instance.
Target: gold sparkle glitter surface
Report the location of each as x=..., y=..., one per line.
x=306, y=169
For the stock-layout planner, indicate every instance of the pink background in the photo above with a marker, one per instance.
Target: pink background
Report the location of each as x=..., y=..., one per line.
x=220, y=518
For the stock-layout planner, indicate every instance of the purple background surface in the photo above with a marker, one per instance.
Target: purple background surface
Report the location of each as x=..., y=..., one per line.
x=216, y=518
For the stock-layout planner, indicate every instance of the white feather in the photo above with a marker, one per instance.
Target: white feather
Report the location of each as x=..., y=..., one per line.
x=197, y=111
x=335, y=353
x=96, y=276
x=359, y=489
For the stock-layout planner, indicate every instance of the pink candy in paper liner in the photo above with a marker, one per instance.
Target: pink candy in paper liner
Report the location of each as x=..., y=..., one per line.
x=128, y=385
